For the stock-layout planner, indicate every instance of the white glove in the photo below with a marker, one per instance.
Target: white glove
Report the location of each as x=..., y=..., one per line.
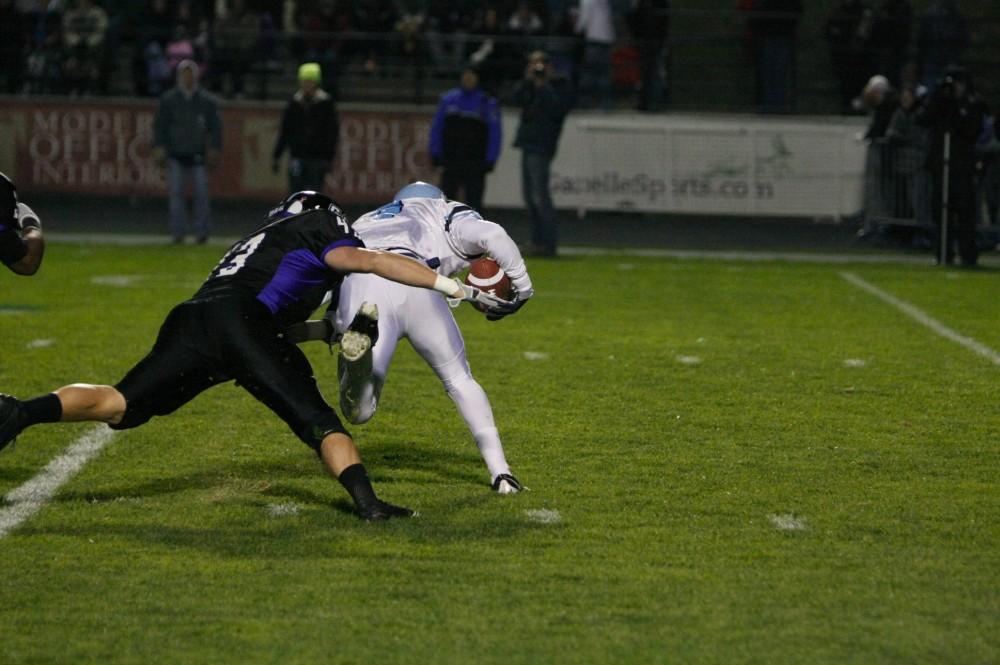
x=26, y=218
x=476, y=295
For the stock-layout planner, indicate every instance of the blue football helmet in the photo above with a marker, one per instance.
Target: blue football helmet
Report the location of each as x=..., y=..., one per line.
x=419, y=190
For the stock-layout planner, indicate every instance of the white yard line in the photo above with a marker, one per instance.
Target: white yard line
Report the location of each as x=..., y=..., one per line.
x=29, y=498
x=924, y=319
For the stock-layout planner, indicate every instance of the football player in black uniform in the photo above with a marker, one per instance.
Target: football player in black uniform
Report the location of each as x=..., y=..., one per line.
x=232, y=328
x=21, y=243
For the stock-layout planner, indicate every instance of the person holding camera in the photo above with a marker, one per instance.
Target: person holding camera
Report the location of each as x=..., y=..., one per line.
x=21, y=242
x=545, y=100
x=954, y=117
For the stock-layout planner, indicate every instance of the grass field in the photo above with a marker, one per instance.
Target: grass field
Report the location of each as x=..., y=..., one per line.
x=729, y=462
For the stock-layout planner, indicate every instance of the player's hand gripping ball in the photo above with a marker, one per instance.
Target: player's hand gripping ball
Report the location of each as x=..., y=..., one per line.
x=486, y=275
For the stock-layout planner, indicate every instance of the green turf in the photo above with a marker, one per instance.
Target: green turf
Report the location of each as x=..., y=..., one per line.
x=668, y=478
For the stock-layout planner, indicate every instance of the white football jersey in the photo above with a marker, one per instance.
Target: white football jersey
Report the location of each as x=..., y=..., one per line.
x=446, y=235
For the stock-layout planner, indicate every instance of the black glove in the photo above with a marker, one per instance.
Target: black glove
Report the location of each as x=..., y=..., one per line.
x=494, y=314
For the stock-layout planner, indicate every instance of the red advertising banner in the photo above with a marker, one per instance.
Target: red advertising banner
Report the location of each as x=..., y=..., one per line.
x=106, y=149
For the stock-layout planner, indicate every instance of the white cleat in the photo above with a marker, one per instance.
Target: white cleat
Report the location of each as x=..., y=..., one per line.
x=506, y=484
x=362, y=334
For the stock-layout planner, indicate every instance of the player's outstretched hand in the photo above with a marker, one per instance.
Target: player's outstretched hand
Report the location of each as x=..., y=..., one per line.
x=473, y=294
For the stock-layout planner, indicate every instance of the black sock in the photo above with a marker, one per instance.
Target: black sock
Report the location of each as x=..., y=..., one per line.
x=44, y=409
x=355, y=480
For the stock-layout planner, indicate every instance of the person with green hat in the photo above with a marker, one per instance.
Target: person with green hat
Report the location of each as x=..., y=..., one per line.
x=310, y=130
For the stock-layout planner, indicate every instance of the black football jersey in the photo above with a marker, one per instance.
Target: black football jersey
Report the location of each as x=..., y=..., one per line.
x=281, y=264
x=12, y=248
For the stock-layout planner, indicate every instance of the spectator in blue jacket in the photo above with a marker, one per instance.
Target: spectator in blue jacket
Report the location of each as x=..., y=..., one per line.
x=465, y=139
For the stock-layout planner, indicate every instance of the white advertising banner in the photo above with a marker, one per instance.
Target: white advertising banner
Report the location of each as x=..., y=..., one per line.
x=690, y=164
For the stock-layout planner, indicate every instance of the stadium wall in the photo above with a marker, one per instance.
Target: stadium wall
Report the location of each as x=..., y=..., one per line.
x=738, y=164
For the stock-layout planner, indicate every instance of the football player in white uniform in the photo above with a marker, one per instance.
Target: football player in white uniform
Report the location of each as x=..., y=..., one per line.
x=446, y=235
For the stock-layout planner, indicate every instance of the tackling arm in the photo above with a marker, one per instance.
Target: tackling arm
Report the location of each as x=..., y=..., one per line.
x=405, y=270
x=384, y=264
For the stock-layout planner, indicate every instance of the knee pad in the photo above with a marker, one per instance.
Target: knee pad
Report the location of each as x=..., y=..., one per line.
x=313, y=434
x=131, y=419
x=455, y=383
x=454, y=373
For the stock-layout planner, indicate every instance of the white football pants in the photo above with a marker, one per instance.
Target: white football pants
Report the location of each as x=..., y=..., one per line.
x=423, y=317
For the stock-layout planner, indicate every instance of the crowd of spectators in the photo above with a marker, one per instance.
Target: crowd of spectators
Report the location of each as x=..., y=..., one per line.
x=932, y=162
x=81, y=46
x=905, y=71
x=604, y=46
x=877, y=38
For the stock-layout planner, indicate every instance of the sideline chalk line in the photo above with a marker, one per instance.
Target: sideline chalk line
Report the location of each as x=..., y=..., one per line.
x=924, y=319
x=24, y=501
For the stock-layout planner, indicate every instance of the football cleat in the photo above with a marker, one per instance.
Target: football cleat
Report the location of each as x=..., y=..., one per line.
x=381, y=511
x=11, y=419
x=506, y=484
x=362, y=334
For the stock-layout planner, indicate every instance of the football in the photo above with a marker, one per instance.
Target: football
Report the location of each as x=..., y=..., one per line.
x=486, y=274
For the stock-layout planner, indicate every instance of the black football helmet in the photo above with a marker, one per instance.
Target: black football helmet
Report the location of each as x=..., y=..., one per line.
x=301, y=202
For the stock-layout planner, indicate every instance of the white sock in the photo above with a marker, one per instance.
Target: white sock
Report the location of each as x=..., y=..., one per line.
x=474, y=407
x=492, y=451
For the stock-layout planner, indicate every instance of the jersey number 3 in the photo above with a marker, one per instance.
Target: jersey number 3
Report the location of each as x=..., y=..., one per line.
x=237, y=256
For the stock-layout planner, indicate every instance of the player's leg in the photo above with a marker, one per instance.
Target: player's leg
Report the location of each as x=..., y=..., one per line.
x=451, y=182
x=200, y=206
x=176, y=178
x=278, y=374
x=361, y=369
x=530, y=197
x=474, y=184
x=169, y=376
x=435, y=335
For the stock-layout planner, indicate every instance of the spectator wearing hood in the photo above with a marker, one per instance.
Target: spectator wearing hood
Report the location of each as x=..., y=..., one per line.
x=187, y=138
x=465, y=139
x=310, y=130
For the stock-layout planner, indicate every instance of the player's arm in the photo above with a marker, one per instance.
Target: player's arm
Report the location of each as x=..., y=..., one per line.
x=408, y=271
x=474, y=236
x=30, y=246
